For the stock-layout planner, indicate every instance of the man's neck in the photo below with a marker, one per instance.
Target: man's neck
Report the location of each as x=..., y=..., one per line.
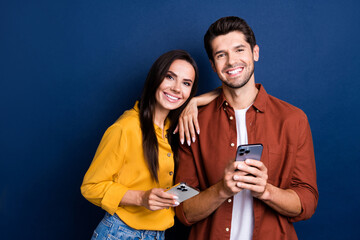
x=241, y=98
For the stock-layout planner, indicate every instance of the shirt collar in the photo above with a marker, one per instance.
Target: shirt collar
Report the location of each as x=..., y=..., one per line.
x=261, y=98
x=167, y=121
x=259, y=103
x=136, y=106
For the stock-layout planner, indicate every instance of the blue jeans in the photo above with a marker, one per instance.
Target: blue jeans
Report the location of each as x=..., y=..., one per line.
x=113, y=228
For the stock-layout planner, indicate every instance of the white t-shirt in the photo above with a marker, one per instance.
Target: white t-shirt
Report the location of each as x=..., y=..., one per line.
x=242, y=222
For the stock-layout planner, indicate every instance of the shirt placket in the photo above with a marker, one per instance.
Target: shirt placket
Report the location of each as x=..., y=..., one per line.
x=232, y=144
x=251, y=123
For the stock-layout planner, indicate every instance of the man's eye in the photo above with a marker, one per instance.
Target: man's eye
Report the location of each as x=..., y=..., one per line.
x=240, y=50
x=220, y=56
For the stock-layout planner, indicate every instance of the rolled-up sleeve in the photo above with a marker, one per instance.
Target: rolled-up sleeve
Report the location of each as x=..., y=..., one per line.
x=303, y=181
x=98, y=185
x=186, y=172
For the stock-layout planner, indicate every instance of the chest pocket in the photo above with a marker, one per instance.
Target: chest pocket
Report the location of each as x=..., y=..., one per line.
x=280, y=162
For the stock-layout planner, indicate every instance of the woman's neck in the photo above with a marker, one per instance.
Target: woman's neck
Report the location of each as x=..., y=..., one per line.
x=159, y=117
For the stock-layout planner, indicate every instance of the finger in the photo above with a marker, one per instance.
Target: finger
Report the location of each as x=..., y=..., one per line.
x=250, y=169
x=191, y=128
x=248, y=179
x=255, y=163
x=162, y=202
x=158, y=206
x=196, y=124
x=162, y=199
x=166, y=195
x=235, y=188
x=238, y=176
x=186, y=131
x=232, y=187
x=181, y=130
x=251, y=187
x=240, y=165
x=176, y=129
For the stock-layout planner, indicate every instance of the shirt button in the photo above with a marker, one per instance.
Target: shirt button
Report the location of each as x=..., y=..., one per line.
x=227, y=229
x=171, y=173
x=257, y=110
x=229, y=200
x=231, y=117
x=224, y=109
x=232, y=144
x=226, y=103
x=169, y=154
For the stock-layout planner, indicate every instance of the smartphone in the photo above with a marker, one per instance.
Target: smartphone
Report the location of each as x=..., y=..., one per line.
x=182, y=191
x=249, y=151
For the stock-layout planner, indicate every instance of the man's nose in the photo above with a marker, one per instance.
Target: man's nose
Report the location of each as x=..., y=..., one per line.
x=231, y=59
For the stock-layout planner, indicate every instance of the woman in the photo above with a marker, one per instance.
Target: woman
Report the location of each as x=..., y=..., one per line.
x=134, y=162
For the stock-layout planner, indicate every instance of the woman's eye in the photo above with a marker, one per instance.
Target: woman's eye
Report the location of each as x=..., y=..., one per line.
x=169, y=77
x=187, y=84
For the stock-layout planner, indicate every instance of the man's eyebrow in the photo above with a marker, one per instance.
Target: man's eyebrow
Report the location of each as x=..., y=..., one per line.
x=220, y=51
x=240, y=46
x=236, y=47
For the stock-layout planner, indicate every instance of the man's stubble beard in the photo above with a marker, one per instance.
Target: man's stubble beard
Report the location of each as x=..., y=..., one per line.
x=234, y=86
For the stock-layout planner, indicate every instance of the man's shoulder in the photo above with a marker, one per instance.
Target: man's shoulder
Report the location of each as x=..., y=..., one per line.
x=284, y=110
x=208, y=109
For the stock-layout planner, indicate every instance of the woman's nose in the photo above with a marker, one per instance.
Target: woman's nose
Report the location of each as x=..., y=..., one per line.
x=176, y=86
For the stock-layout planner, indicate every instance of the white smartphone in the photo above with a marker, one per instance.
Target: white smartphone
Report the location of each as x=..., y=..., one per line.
x=182, y=191
x=249, y=151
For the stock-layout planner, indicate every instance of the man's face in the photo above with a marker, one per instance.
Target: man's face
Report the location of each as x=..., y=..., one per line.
x=234, y=59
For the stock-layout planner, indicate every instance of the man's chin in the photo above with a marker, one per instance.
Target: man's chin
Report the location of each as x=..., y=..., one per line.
x=234, y=85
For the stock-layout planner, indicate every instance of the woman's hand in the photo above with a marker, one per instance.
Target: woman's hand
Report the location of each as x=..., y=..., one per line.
x=188, y=122
x=157, y=199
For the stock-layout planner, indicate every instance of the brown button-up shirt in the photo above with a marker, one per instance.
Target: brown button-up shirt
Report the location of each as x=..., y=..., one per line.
x=288, y=155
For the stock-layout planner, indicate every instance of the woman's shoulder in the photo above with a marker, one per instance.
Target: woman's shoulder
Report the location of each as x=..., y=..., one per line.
x=129, y=120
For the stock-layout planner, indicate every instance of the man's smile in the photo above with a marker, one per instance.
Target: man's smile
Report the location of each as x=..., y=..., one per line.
x=234, y=71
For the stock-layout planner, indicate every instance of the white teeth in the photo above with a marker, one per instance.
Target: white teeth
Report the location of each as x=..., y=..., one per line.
x=235, y=71
x=171, y=97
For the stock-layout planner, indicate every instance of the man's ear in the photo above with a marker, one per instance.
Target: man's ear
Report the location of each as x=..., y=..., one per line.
x=212, y=65
x=256, y=51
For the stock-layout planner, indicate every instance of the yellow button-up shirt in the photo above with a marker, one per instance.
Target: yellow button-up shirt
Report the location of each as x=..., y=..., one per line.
x=119, y=165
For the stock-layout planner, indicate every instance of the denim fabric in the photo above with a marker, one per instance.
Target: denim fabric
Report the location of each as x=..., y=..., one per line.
x=113, y=228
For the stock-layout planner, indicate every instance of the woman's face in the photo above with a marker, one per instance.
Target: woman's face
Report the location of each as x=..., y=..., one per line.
x=176, y=87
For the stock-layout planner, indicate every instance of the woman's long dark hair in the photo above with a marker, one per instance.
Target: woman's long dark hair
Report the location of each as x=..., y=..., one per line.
x=147, y=104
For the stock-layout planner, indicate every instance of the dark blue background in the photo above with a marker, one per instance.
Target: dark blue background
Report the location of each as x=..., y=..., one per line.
x=68, y=69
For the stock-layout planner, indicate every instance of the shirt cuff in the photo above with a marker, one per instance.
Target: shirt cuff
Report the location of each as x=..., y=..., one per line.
x=181, y=215
x=112, y=198
x=308, y=199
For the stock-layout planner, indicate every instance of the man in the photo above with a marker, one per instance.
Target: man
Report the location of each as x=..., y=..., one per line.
x=251, y=199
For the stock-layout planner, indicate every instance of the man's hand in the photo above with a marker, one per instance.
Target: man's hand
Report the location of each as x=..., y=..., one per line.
x=252, y=175
x=188, y=123
x=230, y=181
